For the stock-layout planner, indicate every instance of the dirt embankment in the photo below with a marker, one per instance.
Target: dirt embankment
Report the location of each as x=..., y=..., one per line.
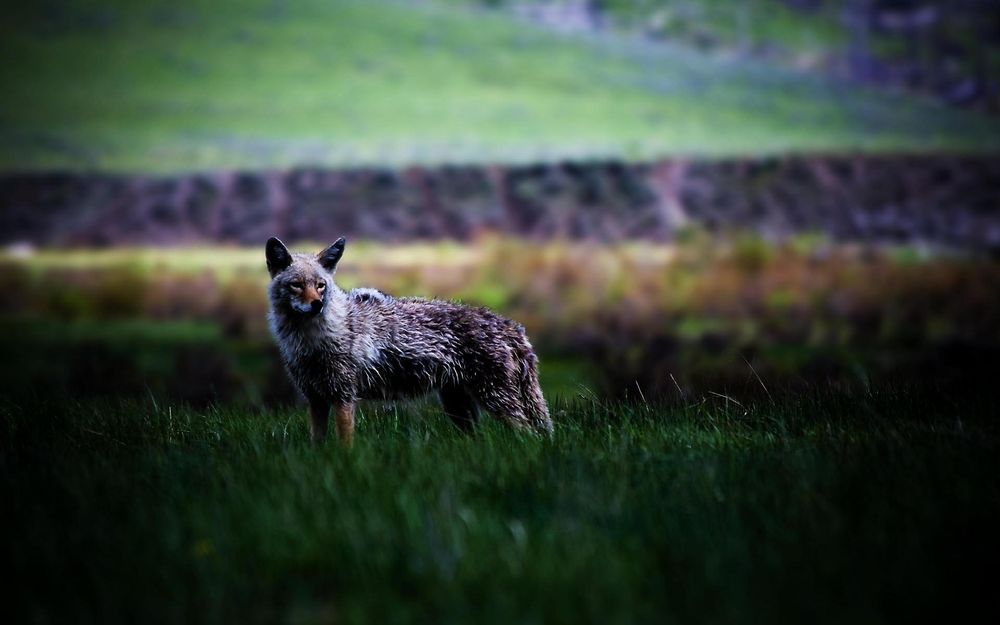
x=946, y=201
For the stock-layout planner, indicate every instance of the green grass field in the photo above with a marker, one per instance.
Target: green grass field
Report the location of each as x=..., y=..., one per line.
x=169, y=86
x=154, y=468
x=827, y=507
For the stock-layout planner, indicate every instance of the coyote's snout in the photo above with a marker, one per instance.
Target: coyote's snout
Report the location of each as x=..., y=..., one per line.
x=340, y=347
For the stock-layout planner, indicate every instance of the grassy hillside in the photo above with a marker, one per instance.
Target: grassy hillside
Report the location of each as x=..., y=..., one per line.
x=830, y=507
x=170, y=86
x=802, y=35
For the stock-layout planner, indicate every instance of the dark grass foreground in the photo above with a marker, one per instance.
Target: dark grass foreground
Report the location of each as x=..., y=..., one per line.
x=831, y=507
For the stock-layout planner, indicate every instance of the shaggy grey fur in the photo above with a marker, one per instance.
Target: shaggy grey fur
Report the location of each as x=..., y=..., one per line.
x=340, y=347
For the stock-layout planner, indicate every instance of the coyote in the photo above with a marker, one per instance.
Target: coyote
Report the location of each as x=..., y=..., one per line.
x=341, y=346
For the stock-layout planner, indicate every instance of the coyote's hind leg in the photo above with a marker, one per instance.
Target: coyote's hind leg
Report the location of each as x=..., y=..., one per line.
x=505, y=399
x=501, y=400
x=460, y=407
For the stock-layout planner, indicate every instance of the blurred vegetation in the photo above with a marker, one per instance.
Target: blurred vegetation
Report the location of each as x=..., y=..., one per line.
x=944, y=48
x=706, y=24
x=714, y=314
x=168, y=86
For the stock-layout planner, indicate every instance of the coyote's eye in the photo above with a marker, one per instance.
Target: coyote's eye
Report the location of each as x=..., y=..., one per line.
x=320, y=285
x=296, y=285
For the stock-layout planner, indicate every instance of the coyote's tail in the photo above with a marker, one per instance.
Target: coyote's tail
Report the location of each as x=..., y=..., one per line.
x=535, y=409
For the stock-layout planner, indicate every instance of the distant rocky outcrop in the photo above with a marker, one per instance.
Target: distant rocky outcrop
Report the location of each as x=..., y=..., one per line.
x=938, y=200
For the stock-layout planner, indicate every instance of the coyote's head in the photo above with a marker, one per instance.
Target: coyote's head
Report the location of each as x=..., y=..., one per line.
x=300, y=282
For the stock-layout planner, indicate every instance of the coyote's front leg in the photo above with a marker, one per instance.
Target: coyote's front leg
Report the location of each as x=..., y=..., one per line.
x=319, y=416
x=345, y=423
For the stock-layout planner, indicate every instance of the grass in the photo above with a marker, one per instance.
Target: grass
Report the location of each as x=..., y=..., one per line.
x=232, y=260
x=154, y=469
x=827, y=506
x=800, y=35
x=165, y=87
x=625, y=319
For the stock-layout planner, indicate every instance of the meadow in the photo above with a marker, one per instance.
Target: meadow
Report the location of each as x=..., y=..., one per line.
x=747, y=430
x=178, y=87
x=826, y=506
x=745, y=433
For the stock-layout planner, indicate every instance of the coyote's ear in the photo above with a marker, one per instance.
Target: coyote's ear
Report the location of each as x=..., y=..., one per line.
x=278, y=257
x=331, y=255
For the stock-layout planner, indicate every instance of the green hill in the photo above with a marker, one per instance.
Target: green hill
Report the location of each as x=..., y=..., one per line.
x=165, y=87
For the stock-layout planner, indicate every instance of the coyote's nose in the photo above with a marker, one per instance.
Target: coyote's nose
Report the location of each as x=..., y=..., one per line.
x=317, y=306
